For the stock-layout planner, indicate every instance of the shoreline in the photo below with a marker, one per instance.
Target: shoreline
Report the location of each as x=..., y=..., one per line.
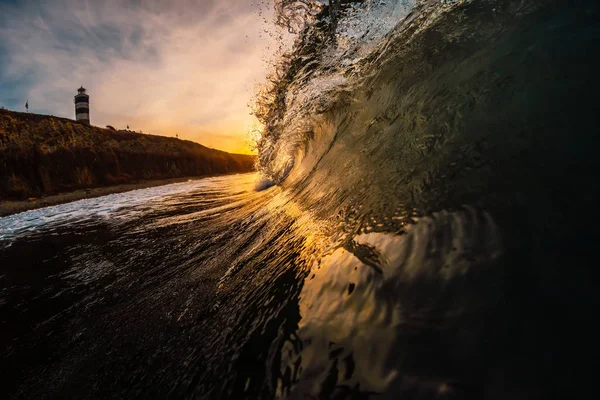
x=10, y=207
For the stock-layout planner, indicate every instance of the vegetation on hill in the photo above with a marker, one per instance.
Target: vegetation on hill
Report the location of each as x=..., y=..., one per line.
x=42, y=155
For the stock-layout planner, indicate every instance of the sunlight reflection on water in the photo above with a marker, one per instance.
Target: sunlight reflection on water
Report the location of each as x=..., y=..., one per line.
x=126, y=205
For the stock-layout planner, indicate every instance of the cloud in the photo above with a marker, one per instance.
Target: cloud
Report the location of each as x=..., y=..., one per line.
x=167, y=67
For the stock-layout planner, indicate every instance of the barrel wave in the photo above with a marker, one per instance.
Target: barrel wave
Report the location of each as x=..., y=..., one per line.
x=477, y=115
x=422, y=225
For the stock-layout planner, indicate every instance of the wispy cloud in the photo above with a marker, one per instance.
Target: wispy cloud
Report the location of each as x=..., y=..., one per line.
x=166, y=67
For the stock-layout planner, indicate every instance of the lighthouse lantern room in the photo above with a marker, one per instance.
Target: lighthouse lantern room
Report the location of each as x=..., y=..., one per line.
x=82, y=106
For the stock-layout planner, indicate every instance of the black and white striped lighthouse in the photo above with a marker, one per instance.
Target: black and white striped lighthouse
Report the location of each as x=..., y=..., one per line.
x=82, y=106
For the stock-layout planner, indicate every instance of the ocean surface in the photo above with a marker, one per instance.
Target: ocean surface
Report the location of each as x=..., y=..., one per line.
x=423, y=224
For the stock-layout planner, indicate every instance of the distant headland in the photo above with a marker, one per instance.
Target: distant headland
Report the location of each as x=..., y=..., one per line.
x=44, y=155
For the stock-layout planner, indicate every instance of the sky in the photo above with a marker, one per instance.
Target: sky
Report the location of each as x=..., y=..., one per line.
x=176, y=67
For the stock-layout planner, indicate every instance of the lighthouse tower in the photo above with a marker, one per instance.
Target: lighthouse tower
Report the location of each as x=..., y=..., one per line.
x=82, y=106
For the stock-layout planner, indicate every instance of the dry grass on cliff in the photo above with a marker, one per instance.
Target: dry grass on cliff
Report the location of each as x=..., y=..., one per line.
x=43, y=155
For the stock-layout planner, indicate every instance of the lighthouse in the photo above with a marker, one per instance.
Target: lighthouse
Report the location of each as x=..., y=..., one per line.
x=82, y=106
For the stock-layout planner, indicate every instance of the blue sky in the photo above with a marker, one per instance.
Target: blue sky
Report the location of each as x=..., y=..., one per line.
x=165, y=67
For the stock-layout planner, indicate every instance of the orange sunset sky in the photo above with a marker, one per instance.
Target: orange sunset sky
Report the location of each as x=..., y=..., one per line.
x=163, y=67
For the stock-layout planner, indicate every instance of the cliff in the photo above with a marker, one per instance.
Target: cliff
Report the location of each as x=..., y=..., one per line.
x=42, y=155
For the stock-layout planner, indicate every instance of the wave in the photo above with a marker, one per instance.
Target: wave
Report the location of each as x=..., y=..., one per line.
x=387, y=111
x=326, y=71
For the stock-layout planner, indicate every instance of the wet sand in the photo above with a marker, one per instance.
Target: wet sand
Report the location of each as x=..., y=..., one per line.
x=8, y=207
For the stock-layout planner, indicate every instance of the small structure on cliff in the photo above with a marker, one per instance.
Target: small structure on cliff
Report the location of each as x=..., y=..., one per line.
x=82, y=106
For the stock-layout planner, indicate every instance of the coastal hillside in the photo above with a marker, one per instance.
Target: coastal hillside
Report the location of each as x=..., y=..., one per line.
x=42, y=155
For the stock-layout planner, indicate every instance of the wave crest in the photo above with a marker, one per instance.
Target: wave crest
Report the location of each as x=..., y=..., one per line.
x=331, y=57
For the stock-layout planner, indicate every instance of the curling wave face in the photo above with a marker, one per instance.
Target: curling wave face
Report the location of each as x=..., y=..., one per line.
x=412, y=108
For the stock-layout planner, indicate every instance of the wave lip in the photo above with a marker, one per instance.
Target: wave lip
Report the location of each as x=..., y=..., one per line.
x=318, y=76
